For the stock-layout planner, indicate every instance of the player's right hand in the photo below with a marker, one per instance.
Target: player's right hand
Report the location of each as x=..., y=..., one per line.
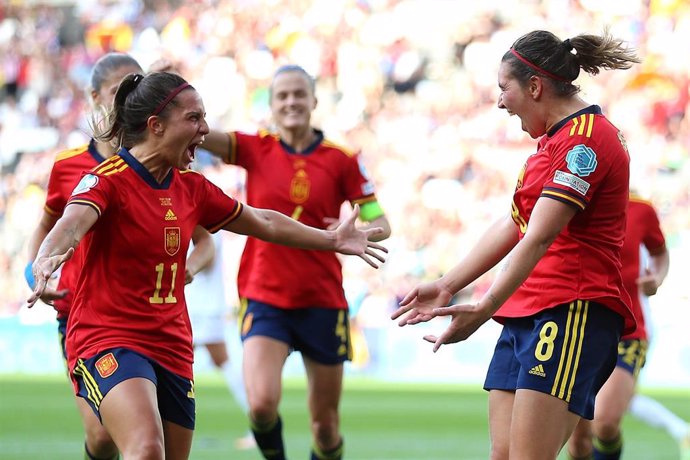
x=43, y=268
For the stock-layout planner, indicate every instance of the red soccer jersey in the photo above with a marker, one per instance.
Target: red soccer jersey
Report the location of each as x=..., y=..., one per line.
x=130, y=292
x=643, y=229
x=583, y=162
x=67, y=170
x=307, y=186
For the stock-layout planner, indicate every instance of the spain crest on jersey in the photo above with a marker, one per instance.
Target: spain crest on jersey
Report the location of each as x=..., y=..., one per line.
x=172, y=240
x=299, y=187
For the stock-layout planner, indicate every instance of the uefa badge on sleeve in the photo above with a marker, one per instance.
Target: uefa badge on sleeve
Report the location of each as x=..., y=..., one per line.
x=581, y=160
x=86, y=183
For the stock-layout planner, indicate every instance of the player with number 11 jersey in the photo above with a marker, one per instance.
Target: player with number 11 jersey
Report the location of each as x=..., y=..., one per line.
x=151, y=293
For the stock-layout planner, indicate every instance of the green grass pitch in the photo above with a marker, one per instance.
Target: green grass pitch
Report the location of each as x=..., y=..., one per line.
x=38, y=420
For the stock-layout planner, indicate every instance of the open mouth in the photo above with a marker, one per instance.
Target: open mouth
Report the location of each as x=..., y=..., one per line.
x=191, y=154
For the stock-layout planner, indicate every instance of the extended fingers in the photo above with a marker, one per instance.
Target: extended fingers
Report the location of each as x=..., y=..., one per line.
x=368, y=260
x=452, y=309
x=38, y=290
x=404, y=308
x=378, y=247
x=375, y=254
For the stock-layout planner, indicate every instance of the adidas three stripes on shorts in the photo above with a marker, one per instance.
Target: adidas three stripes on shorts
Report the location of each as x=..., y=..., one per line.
x=567, y=351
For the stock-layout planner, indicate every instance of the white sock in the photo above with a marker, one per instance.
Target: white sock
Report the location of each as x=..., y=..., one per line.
x=655, y=414
x=233, y=379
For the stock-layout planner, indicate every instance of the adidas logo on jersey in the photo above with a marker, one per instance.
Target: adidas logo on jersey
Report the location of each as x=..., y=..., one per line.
x=538, y=370
x=170, y=215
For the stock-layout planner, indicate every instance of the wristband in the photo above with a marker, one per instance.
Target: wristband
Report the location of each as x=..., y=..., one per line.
x=29, y=275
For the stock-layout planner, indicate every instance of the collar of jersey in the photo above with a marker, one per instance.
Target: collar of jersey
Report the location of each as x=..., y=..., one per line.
x=308, y=150
x=143, y=172
x=93, y=151
x=594, y=109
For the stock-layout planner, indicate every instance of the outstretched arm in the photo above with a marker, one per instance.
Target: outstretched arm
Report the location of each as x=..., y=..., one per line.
x=546, y=222
x=491, y=248
x=275, y=227
x=58, y=246
x=218, y=143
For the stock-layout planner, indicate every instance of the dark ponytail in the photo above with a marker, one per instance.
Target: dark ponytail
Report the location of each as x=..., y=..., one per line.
x=542, y=53
x=137, y=98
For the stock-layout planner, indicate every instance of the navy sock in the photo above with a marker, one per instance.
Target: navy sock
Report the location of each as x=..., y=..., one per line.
x=608, y=450
x=269, y=438
x=333, y=454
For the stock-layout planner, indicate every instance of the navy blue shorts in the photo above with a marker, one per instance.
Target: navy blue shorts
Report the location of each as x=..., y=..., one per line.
x=567, y=351
x=321, y=334
x=632, y=354
x=62, y=335
x=96, y=376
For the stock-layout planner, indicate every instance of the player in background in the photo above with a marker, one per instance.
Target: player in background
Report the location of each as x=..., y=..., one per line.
x=69, y=165
x=293, y=299
x=559, y=293
x=602, y=438
x=208, y=313
x=129, y=340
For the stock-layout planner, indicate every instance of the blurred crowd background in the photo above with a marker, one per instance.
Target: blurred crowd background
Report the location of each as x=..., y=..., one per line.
x=412, y=83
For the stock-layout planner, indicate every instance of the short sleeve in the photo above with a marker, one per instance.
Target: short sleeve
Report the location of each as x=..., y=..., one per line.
x=216, y=208
x=92, y=190
x=576, y=173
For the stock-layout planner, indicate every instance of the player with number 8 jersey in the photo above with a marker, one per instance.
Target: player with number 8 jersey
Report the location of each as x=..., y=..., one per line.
x=582, y=162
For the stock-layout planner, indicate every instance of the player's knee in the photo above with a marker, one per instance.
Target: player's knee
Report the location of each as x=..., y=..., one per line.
x=607, y=427
x=99, y=443
x=145, y=449
x=326, y=432
x=263, y=411
x=579, y=446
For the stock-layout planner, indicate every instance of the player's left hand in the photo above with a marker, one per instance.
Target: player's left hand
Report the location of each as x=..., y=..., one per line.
x=466, y=319
x=420, y=304
x=353, y=241
x=188, y=276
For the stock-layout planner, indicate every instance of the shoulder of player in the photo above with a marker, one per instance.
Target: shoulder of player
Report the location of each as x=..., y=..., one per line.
x=586, y=128
x=338, y=148
x=636, y=199
x=72, y=153
x=190, y=174
x=598, y=137
x=264, y=134
x=327, y=145
x=112, y=166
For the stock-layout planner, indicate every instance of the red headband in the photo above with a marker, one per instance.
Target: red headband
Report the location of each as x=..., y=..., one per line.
x=537, y=68
x=170, y=97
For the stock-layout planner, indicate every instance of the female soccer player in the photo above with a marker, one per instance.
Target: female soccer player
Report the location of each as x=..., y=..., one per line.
x=559, y=294
x=129, y=341
x=67, y=170
x=298, y=303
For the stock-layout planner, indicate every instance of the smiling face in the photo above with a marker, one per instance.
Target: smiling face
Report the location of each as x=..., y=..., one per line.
x=183, y=128
x=292, y=100
x=521, y=100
